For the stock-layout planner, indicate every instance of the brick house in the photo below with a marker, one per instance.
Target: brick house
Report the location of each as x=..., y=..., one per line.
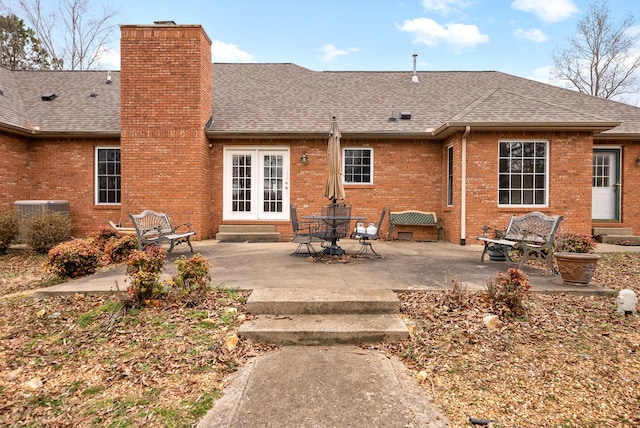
x=218, y=144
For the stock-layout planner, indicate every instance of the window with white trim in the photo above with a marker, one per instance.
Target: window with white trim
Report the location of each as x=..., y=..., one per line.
x=523, y=173
x=108, y=175
x=450, y=176
x=358, y=165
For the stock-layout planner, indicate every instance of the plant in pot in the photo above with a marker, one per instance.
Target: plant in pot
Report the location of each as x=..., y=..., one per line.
x=574, y=254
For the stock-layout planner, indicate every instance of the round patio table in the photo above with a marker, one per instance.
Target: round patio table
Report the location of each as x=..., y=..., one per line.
x=333, y=249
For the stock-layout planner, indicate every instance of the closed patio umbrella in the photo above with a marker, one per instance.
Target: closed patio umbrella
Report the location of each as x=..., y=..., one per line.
x=334, y=188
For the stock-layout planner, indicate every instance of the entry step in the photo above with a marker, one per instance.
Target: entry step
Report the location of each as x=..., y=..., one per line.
x=322, y=301
x=322, y=329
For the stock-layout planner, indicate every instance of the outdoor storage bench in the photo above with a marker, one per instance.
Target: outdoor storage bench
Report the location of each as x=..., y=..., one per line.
x=531, y=234
x=154, y=228
x=415, y=218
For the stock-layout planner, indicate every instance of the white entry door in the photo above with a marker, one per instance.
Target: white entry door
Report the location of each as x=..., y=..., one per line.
x=256, y=184
x=605, y=185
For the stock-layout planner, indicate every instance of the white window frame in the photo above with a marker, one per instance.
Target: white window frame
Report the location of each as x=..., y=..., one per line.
x=450, y=174
x=97, y=176
x=344, y=166
x=546, y=174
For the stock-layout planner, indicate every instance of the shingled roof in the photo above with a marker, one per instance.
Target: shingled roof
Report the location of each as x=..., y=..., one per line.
x=285, y=98
x=266, y=99
x=73, y=110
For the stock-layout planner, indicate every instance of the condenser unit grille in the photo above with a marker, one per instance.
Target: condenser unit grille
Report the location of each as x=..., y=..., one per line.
x=26, y=209
x=29, y=208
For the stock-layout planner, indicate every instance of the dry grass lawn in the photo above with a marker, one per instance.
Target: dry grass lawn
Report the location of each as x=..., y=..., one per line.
x=80, y=361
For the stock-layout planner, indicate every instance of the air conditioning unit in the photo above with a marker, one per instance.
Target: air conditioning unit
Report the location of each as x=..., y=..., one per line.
x=29, y=208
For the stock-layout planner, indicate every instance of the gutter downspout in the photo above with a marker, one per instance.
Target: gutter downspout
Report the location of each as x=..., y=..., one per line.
x=463, y=188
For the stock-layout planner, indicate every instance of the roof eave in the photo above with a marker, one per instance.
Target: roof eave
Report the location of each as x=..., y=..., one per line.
x=35, y=132
x=450, y=127
x=213, y=135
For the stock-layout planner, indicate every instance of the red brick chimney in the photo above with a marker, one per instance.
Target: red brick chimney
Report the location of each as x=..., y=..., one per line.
x=165, y=104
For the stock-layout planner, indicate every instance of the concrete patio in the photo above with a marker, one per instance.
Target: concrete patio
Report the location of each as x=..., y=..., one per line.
x=404, y=266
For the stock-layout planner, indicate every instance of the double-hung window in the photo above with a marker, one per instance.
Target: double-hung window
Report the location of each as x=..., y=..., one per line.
x=358, y=165
x=523, y=173
x=108, y=175
x=450, y=176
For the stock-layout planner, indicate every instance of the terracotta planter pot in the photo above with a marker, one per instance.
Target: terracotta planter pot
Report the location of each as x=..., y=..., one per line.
x=576, y=268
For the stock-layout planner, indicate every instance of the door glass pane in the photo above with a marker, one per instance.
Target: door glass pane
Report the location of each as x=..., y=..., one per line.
x=273, y=173
x=241, y=183
x=601, y=170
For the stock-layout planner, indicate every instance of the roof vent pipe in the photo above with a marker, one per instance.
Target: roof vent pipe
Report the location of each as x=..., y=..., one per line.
x=414, y=78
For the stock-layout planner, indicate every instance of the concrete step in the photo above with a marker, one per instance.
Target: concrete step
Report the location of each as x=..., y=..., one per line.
x=305, y=316
x=622, y=231
x=322, y=301
x=248, y=232
x=613, y=239
x=324, y=329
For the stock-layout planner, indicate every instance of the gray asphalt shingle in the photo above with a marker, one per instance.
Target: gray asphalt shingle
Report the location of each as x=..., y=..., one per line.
x=285, y=98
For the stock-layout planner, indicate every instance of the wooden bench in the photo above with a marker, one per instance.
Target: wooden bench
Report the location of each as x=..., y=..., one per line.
x=154, y=228
x=531, y=234
x=415, y=218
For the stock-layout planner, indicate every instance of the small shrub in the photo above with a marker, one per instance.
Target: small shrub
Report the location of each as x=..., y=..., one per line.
x=103, y=236
x=508, y=292
x=574, y=243
x=456, y=296
x=73, y=259
x=144, y=269
x=45, y=229
x=193, y=280
x=9, y=229
x=117, y=250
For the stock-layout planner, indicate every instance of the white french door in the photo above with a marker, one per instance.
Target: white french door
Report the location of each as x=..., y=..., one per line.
x=256, y=184
x=605, y=201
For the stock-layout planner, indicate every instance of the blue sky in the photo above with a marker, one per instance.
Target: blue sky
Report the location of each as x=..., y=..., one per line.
x=512, y=36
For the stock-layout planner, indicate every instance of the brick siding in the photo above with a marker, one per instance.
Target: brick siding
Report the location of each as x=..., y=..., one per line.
x=165, y=103
x=168, y=164
x=15, y=183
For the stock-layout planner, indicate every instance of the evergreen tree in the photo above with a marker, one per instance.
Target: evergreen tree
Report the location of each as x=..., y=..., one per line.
x=21, y=49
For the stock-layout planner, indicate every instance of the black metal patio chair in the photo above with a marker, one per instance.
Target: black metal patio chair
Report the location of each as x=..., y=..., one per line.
x=305, y=234
x=337, y=219
x=365, y=238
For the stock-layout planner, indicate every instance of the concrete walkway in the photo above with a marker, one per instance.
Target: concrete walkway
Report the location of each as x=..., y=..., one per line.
x=342, y=386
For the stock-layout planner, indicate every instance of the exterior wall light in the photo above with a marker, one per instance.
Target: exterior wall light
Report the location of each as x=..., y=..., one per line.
x=304, y=159
x=638, y=160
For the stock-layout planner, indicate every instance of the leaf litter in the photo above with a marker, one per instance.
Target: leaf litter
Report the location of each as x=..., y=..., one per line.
x=80, y=361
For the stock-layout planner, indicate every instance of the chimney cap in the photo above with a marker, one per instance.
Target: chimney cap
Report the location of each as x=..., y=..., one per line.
x=164, y=22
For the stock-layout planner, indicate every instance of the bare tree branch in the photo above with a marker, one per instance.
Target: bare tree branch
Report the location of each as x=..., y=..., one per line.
x=69, y=31
x=600, y=59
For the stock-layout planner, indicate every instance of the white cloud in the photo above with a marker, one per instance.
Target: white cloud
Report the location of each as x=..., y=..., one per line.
x=547, y=10
x=445, y=6
x=535, y=35
x=430, y=33
x=543, y=74
x=108, y=59
x=330, y=52
x=227, y=52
